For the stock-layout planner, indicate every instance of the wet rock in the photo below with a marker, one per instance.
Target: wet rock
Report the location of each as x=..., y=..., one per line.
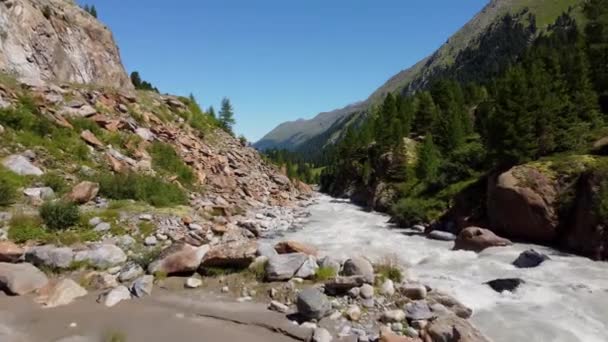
x=359, y=266
x=312, y=304
x=102, y=256
x=84, y=192
x=507, y=284
x=179, y=258
x=129, y=272
x=284, y=266
x=413, y=291
x=529, y=259
x=278, y=306
x=21, y=166
x=391, y=316
x=441, y=235
x=115, y=296
x=238, y=254
x=286, y=247
x=451, y=328
x=193, y=283
x=477, y=239
x=10, y=252
x=20, y=279
x=321, y=335
x=418, y=310
x=143, y=286
x=61, y=293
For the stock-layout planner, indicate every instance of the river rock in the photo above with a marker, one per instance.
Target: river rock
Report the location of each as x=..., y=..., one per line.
x=366, y=291
x=321, y=335
x=449, y=303
x=418, y=310
x=102, y=255
x=386, y=335
x=441, y=235
x=20, y=279
x=413, y=291
x=84, y=192
x=332, y=263
x=312, y=304
x=387, y=288
x=286, y=247
x=284, y=266
x=21, y=166
x=278, y=306
x=529, y=259
x=359, y=266
x=100, y=280
x=143, y=286
x=179, y=258
x=506, y=284
x=38, y=195
x=341, y=284
x=10, y=252
x=116, y=295
x=392, y=316
x=308, y=268
x=266, y=250
x=237, y=254
x=193, y=283
x=477, y=239
x=130, y=271
x=353, y=313
x=50, y=256
x=61, y=293
x=451, y=328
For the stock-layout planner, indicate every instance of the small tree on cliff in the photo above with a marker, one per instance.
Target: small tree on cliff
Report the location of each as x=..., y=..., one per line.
x=226, y=116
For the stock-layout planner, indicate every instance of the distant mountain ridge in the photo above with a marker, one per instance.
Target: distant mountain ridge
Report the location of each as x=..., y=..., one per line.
x=295, y=134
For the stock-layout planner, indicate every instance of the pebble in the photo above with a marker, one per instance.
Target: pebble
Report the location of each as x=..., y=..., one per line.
x=387, y=288
x=194, y=226
x=353, y=312
x=278, y=306
x=193, y=283
x=411, y=332
x=244, y=299
x=366, y=291
x=95, y=221
x=145, y=217
x=397, y=326
x=150, y=241
x=309, y=325
x=225, y=289
x=102, y=227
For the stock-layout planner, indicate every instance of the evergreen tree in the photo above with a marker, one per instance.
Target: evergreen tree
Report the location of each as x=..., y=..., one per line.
x=226, y=116
x=426, y=115
x=428, y=160
x=93, y=11
x=211, y=112
x=136, y=79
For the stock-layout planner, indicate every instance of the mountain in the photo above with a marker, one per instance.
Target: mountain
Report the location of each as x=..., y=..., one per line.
x=293, y=135
x=56, y=40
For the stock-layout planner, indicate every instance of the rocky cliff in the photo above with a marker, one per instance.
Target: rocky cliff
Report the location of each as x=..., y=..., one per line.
x=56, y=40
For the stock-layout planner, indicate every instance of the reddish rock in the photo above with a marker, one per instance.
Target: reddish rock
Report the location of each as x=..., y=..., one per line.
x=10, y=252
x=233, y=254
x=286, y=247
x=84, y=192
x=386, y=335
x=477, y=239
x=179, y=258
x=91, y=139
x=453, y=328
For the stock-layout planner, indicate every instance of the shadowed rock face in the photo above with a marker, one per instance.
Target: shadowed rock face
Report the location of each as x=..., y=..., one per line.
x=56, y=40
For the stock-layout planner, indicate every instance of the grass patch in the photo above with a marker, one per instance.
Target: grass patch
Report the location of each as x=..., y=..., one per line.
x=60, y=215
x=115, y=336
x=146, y=228
x=8, y=193
x=325, y=274
x=55, y=181
x=23, y=228
x=152, y=190
x=146, y=257
x=219, y=271
x=166, y=160
x=71, y=237
x=388, y=269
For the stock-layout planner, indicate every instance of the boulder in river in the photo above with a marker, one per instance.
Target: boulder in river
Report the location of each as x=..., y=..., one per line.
x=441, y=235
x=359, y=266
x=284, y=266
x=477, y=239
x=530, y=258
x=505, y=284
x=452, y=328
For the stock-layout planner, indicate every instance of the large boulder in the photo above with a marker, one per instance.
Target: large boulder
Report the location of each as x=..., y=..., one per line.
x=359, y=266
x=10, y=252
x=284, y=266
x=477, y=239
x=115, y=296
x=50, y=256
x=505, y=284
x=101, y=256
x=522, y=203
x=38, y=195
x=235, y=254
x=286, y=247
x=20, y=279
x=84, y=192
x=179, y=258
x=530, y=258
x=143, y=286
x=312, y=304
x=450, y=328
x=61, y=293
x=21, y=166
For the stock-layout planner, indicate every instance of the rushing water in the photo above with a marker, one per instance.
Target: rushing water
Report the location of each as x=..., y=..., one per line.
x=563, y=300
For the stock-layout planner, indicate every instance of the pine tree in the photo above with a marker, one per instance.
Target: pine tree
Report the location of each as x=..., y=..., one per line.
x=226, y=116
x=427, y=168
x=93, y=11
x=211, y=112
x=426, y=115
x=136, y=79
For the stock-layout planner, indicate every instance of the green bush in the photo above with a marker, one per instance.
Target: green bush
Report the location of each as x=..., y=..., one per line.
x=388, y=270
x=325, y=273
x=165, y=159
x=55, y=181
x=152, y=190
x=8, y=193
x=410, y=211
x=24, y=228
x=26, y=117
x=60, y=215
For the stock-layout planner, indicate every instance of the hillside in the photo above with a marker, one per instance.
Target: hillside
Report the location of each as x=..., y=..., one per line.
x=292, y=135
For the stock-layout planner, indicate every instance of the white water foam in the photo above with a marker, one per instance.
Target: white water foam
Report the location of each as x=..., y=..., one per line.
x=562, y=300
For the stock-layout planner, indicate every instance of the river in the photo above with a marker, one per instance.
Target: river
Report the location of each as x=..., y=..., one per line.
x=563, y=300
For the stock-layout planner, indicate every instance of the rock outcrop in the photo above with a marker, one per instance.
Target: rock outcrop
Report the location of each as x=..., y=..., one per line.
x=56, y=40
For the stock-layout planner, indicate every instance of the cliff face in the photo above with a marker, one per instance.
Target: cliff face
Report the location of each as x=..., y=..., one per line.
x=56, y=40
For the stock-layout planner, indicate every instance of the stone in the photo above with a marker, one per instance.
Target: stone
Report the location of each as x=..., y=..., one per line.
x=37, y=195
x=116, y=295
x=286, y=247
x=398, y=327
x=441, y=235
x=61, y=293
x=84, y=192
x=143, y=286
x=146, y=217
x=129, y=272
x=193, y=283
x=95, y=221
x=505, y=284
x=21, y=166
x=366, y=291
x=195, y=226
x=145, y=133
x=237, y=254
x=284, y=266
x=259, y=263
x=266, y=250
x=353, y=313
x=312, y=304
x=386, y=335
x=359, y=266
x=410, y=332
x=341, y=284
x=392, y=316
x=50, y=256
x=308, y=325
x=20, y=279
x=413, y=291
x=329, y=262
x=125, y=241
x=451, y=328
x=178, y=258
x=102, y=255
x=150, y=241
x=387, y=288
x=354, y=292
x=278, y=307
x=308, y=268
x=418, y=310
x=449, y=303
x=91, y=139
x=529, y=259
x=10, y=252
x=102, y=227
x=321, y=335
x=100, y=280
x=477, y=239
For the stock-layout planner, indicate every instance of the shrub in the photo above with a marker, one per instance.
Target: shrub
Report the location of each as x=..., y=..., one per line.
x=325, y=273
x=388, y=269
x=152, y=190
x=59, y=215
x=165, y=159
x=8, y=193
x=55, y=181
x=25, y=228
x=410, y=211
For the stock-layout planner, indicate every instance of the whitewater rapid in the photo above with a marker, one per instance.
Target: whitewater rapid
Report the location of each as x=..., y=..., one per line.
x=563, y=300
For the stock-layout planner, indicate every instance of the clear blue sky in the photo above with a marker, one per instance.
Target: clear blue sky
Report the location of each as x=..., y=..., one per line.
x=278, y=60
